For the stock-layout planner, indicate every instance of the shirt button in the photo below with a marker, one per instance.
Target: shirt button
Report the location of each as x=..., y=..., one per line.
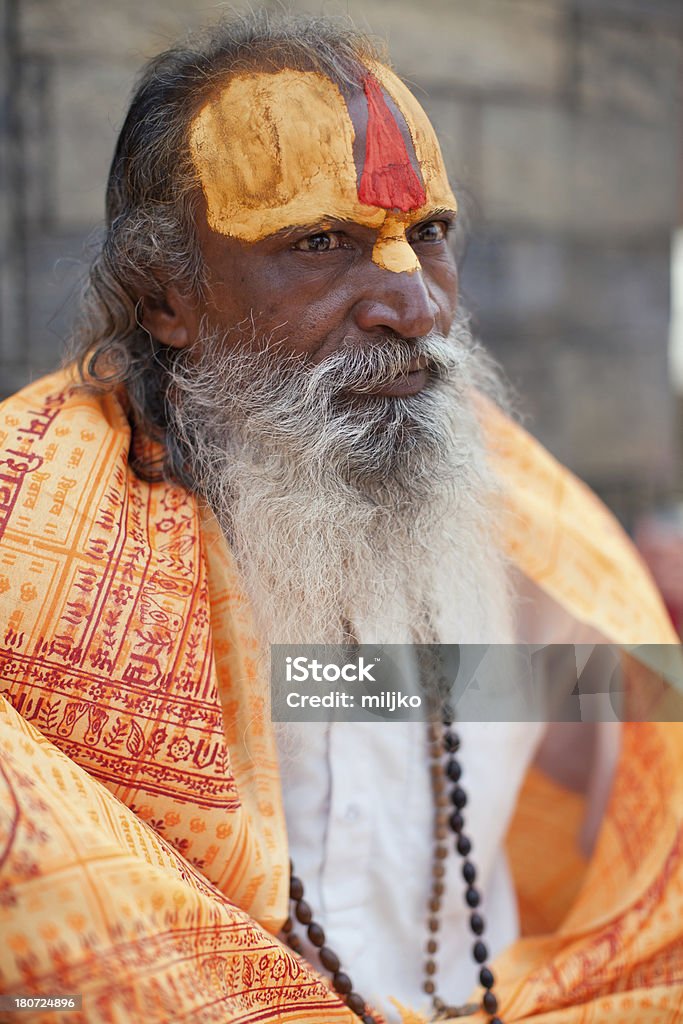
x=352, y=813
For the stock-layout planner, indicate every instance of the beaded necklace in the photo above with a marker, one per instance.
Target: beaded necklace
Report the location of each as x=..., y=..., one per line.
x=444, y=745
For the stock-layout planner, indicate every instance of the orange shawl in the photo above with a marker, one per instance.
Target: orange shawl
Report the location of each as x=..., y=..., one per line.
x=142, y=844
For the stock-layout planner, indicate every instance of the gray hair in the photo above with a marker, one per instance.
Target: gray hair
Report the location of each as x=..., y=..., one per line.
x=150, y=239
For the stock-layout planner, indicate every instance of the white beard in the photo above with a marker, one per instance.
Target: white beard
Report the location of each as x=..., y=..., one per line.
x=371, y=517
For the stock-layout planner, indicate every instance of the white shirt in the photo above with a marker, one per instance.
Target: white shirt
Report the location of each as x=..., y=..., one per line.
x=360, y=816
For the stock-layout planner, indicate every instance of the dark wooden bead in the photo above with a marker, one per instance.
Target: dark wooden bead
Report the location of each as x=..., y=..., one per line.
x=489, y=1002
x=429, y=987
x=303, y=912
x=459, y=797
x=430, y=967
x=463, y=845
x=469, y=872
x=472, y=897
x=296, y=888
x=486, y=979
x=433, y=924
x=477, y=924
x=451, y=742
x=453, y=770
x=480, y=952
x=355, y=1003
x=288, y=925
x=456, y=821
x=432, y=946
x=495, y=1020
x=329, y=959
x=342, y=983
x=316, y=934
x=448, y=715
x=367, y=1019
x=294, y=942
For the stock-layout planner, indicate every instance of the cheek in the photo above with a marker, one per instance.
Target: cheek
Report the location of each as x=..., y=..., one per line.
x=442, y=283
x=315, y=310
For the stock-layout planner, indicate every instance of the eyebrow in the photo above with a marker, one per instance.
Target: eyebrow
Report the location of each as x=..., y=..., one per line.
x=329, y=223
x=311, y=228
x=440, y=211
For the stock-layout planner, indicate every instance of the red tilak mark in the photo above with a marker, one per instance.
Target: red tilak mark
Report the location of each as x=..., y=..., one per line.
x=388, y=178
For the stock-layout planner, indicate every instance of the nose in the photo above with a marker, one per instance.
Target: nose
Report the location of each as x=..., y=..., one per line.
x=396, y=302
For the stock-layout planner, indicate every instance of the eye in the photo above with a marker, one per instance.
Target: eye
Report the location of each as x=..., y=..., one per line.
x=321, y=241
x=434, y=231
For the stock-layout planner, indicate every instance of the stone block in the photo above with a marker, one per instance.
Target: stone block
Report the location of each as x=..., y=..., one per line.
x=630, y=67
x=621, y=292
x=514, y=281
x=531, y=283
x=13, y=377
x=606, y=418
x=666, y=12
x=625, y=175
x=487, y=45
x=553, y=169
x=56, y=267
x=118, y=31
x=89, y=103
x=527, y=160
x=623, y=414
x=529, y=364
x=457, y=125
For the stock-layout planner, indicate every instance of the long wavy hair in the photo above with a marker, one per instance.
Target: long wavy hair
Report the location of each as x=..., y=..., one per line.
x=150, y=240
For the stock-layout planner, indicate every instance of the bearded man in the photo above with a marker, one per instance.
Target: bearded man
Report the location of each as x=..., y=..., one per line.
x=281, y=431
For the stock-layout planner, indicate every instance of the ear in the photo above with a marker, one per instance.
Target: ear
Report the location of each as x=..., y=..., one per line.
x=172, y=320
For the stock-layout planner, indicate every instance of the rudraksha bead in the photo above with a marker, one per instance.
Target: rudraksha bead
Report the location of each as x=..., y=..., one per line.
x=355, y=1003
x=477, y=924
x=459, y=797
x=463, y=845
x=342, y=983
x=303, y=912
x=472, y=897
x=486, y=979
x=480, y=952
x=296, y=888
x=329, y=959
x=489, y=1002
x=469, y=872
x=316, y=934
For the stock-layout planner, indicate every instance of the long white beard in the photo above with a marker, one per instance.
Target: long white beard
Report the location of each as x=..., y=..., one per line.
x=349, y=513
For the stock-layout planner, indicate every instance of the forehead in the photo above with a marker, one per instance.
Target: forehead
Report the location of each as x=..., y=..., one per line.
x=276, y=150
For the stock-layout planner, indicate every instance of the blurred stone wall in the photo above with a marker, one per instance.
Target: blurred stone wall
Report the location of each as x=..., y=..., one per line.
x=560, y=121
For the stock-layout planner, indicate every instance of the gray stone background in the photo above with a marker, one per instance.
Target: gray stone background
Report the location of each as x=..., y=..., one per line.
x=561, y=122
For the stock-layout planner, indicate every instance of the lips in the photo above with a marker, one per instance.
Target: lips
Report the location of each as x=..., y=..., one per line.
x=410, y=383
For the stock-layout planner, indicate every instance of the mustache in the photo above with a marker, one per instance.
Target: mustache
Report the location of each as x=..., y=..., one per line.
x=362, y=366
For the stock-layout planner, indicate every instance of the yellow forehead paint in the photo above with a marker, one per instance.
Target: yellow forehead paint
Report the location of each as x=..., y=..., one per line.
x=275, y=151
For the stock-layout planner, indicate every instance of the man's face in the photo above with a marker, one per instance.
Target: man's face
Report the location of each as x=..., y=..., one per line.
x=325, y=218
